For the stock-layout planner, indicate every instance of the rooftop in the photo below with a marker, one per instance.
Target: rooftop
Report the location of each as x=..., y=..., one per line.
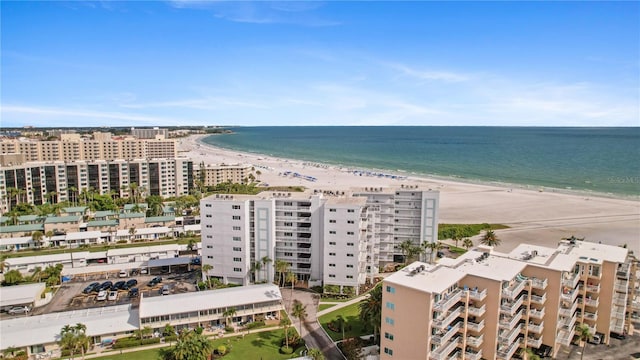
x=21, y=228
x=105, y=213
x=165, y=218
x=62, y=219
x=99, y=223
x=20, y=294
x=425, y=277
x=75, y=209
x=211, y=299
x=490, y=267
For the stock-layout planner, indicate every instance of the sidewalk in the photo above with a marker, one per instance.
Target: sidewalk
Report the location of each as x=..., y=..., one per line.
x=340, y=305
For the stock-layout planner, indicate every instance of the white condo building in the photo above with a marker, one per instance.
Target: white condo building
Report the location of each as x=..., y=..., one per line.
x=338, y=241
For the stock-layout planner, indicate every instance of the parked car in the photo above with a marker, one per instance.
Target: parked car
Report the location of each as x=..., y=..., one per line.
x=165, y=290
x=195, y=261
x=134, y=292
x=113, y=295
x=144, y=271
x=102, y=295
x=123, y=274
x=105, y=285
x=118, y=285
x=129, y=284
x=91, y=287
x=155, y=281
x=19, y=310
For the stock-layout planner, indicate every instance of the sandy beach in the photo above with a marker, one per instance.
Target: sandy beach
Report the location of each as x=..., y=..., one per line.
x=539, y=216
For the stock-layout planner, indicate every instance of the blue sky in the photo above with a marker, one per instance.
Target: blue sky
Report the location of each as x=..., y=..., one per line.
x=320, y=63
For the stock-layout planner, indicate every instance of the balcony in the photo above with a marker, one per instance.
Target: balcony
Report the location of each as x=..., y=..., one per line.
x=568, y=312
x=507, y=352
x=506, y=323
x=512, y=291
x=593, y=288
x=446, y=319
x=617, y=326
x=511, y=308
x=591, y=302
x=533, y=342
x=448, y=301
x=471, y=355
x=617, y=313
x=620, y=299
x=565, y=336
x=442, y=352
x=591, y=316
x=445, y=335
x=539, y=284
x=595, y=276
x=473, y=326
x=472, y=310
x=507, y=337
x=570, y=296
x=621, y=288
x=568, y=323
x=535, y=299
x=475, y=341
x=571, y=280
x=623, y=271
x=536, y=314
x=535, y=328
x=477, y=295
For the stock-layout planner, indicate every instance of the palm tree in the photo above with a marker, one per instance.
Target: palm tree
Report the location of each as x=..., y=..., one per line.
x=291, y=278
x=584, y=333
x=405, y=247
x=371, y=309
x=228, y=314
x=36, y=236
x=132, y=233
x=433, y=249
x=205, y=270
x=490, y=239
x=191, y=346
x=530, y=355
x=37, y=274
x=74, y=338
x=265, y=260
x=341, y=322
x=467, y=243
x=49, y=234
x=73, y=194
x=299, y=311
x=456, y=236
x=281, y=268
x=255, y=269
x=285, y=323
x=315, y=354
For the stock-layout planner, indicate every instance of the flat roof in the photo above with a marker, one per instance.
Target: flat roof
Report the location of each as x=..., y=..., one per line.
x=143, y=249
x=169, y=261
x=492, y=267
x=39, y=259
x=62, y=219
x=142, y=206
x=210, y=299
x=433, y=279
x=130, y=215
x=45, y=329
x=83, y=235
x=20, y=294
x=19, y=228
x=145, y=231
x=160, y=218
x=28, y=217
x=15, y=240
x=97, y=223
x=104, y=213
x=346, y=200
x=75, y=209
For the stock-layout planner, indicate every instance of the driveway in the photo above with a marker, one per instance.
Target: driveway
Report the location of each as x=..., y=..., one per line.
x=312, y=332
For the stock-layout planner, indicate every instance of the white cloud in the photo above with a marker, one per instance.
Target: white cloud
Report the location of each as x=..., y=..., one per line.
x=431, y=75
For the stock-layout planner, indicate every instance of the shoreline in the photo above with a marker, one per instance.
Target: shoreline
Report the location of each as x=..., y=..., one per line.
x=536, y=217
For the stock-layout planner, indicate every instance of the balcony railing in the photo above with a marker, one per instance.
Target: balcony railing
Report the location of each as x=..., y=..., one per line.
x=620, y=299
x=447, y=318
x=475, y=326
x=510, y=308
x=536, y=328
x=535, y=299
x=566, y=336
x=593, y=288
x=591, y=302
x=507, y=336
x=568, y=323
x=533, y=342
x=507, y=352
x=443, y=337
x=506, y=323
x=591, y=316
x=617, y=313
x=568, y=312
x=536, y=314
x=539, y=284
x=623, y=271
x=596, y=276
x=475, y=341
x=617, y=326
x=621, y=288
x=476, y=311
x=477, y=295
x=571, y=280
x=471, y=355
x=448, y=301
x=570, y=295
x=443, y=351
x=512, y=291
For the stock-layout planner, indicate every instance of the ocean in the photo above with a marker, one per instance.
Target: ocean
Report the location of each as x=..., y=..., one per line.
x=596, y=160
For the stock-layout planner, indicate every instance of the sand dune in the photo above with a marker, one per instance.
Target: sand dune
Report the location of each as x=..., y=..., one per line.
x=533, y=216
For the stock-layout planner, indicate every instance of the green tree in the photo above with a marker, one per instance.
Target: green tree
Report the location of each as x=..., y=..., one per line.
x=299, y=311
x=265, y=260
x=191, y=245
x=168, y=330
x=315, y=354
x=190, y=346
x=405, y=248
x=228, y=314
x=74, y=339
x=490, y=239
x=530, y=355
x=341, y=323
x=455, y=236
x=291, y=278
x=52, y=274
x=154, y=203
x=281, y=268
x=584, y=334
x=49, y=234
x=255, y=269
x=132, y=233
x=36, y=236
x=205, y=270
x=371, y=310
x=12, y=277
x=467, y=243
x=285, y=323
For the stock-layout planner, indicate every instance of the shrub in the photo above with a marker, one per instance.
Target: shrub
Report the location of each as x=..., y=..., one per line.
x=221, y=350
x=150, y=341
x=126, y=343
x=286, y=350
x=170, y=338
x=255, y=324
x=229, y=329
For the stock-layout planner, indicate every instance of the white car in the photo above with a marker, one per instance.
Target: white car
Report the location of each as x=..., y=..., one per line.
x=113, y=295
x=123, y=274
x=19, y=310
x=102, y=295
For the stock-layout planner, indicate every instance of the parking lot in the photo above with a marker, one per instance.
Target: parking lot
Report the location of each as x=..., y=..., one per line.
x=70, y=295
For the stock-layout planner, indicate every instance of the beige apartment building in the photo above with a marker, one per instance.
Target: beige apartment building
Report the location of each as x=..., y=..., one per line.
x=73, y=147
x=212, y=175
x=490, y=305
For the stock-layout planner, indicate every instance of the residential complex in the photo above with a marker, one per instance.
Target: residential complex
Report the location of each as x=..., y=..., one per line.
x=57, y=181
x=493, y=305
x=147, y=133
x=328, y=238
x=212, y=175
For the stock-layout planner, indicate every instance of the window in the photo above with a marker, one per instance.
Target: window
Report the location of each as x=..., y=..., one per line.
x=332, y=275
x=235, y=248
x=236, y=217
x=349, y=232
x=288, y=213
x=209, y=246
x=350, y=210
x=349, y=244
x=350, y=221
x=207, y=205
x=236, y=238
x=288, y=254
x=332, y=210
x=388, y=336
x=209, y=226
x=332, y=242
x=332, y=265
x=349, y=266
x=332, y=221
x=237, y=259
x=349, y=255
x=237, y=269
x=288, y=224
x=391, y=289
x=389, y=320
x=332, y=254
x=332, y=232
x=391, y=305
x=235, y=207
x=209, y=236
x=237, y=228
x=349, y=276
x=288, y=203
x=388, y=351
x=208, y=215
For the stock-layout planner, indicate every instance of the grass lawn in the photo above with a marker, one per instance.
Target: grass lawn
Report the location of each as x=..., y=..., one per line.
x=351, y=315
x=325, y=306
x=325, y=298
x=262, y=345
